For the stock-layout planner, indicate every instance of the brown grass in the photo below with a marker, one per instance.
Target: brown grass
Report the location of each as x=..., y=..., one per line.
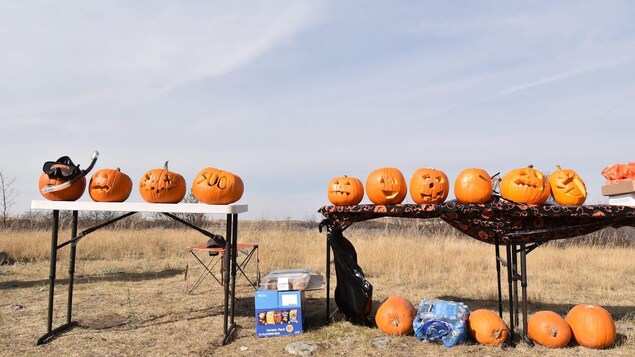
x=130, y=292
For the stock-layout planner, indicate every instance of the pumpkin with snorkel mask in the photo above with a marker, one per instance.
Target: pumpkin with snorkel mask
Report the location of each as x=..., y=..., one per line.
x=62, y=180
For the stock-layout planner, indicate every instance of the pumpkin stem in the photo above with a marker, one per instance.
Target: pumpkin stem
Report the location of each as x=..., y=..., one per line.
x=531, y=166
x=165, y=167
x=497, y=334
x=553, y=332
x=118, y=169
x=559, y=168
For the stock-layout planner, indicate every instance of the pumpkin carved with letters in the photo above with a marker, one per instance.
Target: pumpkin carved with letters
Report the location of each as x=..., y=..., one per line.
x=429, y=186
x=109, y=185
x=162, y=186
x=345, y=191
x=217, y=187
x=567, y=188
x=525, y=185
x=386, y=186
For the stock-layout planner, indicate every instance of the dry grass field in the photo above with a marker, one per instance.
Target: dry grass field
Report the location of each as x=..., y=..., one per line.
x=130, y=292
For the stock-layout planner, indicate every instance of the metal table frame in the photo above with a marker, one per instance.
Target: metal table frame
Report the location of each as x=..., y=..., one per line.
x=231, y=212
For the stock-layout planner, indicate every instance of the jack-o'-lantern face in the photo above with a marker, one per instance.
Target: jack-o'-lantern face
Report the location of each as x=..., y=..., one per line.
x=162, y=186
x=72, y=193
x=525, y=185
x=386, y=186
x=345, y=191
x=567, y=187
x=109, y=185
x=217, y=187
x=429, y=186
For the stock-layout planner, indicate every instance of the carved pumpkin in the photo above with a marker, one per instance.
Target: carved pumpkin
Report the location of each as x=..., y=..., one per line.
x=567, y=188
x=591, y=326
x=217, y=187
x=395, y=316
x=345, y=191
x=548, y=329
x=72, y=193
x=386, y=186
x=473, y=185
x=109, y=185
x=487, y=328
x=429, y=186
x=525, y=185
x=162, y=186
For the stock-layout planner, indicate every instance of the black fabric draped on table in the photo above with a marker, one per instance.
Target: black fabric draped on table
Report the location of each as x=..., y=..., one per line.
x=496, y=222
x=499, y=218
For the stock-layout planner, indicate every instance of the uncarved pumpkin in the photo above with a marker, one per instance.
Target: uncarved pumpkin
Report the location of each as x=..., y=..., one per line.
x=345, y=191
x=429, y=186
x=548, y=329
x=395, y=316
x=591, y=326
x=567, y=187
x=487, y=328
x=109, y=185
x=525, y=185
x=386, y=186
x=473, y=185
x=217, y=187
x=162, y=186
x=72, y=193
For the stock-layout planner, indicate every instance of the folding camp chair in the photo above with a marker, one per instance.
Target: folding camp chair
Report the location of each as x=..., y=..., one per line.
x=216, y=255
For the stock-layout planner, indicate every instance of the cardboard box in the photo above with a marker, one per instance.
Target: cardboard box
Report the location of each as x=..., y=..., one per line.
x=627, y=199
x=279, y=313
x=619, y=188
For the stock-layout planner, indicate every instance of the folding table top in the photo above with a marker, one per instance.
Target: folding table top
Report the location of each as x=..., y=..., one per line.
x=139, y=207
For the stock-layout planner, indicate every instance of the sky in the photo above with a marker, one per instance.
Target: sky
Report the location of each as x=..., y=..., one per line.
x=289, y=94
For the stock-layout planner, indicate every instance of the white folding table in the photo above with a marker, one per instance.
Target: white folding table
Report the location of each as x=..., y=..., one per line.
x=130, y=208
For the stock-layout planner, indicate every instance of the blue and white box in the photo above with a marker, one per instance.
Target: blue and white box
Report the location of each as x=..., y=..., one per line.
x=278, y=313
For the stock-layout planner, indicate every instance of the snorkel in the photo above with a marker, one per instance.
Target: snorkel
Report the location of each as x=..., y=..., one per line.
x=67, y=184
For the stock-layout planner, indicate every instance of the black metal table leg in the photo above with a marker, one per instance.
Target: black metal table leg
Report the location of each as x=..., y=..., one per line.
x=328, y=281
x=510, y=279
x=498, y=277
x=71, y=269
x=230, y=274
x=514, y=263
x=50, y=331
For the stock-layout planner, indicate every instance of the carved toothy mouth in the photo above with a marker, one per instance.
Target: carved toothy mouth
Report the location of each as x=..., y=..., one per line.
x=100, y=188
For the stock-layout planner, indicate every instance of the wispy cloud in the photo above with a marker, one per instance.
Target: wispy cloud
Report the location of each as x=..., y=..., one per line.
x=564, y=76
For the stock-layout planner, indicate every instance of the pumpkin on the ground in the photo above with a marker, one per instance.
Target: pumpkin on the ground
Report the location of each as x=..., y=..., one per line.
x=473, y=185
x=591, y=326
x=109, y=185
x=487, y=328
x=71, y=193
x=217, y=187
x=548, y=329
x=567, y=187
x=525, y=185
x=345, y=191
x=386, y=186
x=429, y=186
x=162, y=186
x=395, y=316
